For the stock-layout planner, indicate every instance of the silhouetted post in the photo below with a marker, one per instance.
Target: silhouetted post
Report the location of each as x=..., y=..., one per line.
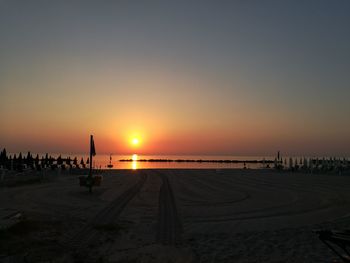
x=92, y=153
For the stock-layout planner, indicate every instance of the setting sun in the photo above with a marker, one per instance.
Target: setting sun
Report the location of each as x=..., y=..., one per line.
x=135, y=141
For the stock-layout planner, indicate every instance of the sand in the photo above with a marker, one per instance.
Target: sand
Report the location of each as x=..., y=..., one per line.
x=174, y=216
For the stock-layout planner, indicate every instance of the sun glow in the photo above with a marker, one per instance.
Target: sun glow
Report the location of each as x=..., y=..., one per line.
x=135, y=141
x=134, y=157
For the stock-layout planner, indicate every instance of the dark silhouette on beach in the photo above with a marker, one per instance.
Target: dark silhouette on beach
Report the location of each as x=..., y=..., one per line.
x=21, y=163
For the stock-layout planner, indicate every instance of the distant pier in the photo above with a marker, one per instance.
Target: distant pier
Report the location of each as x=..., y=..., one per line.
x=197, y=161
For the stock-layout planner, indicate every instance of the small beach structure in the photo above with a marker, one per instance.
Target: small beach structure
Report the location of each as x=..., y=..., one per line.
x=110, y=165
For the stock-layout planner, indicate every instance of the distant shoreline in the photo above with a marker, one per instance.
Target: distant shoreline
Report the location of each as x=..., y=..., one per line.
x=197, y=161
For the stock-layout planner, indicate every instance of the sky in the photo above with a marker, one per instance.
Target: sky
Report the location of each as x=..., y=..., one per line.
x=184, y=77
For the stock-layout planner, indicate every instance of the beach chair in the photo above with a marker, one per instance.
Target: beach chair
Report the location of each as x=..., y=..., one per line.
x=337, y=241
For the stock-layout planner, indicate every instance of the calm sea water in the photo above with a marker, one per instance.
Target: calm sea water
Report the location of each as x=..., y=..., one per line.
x=103, y=160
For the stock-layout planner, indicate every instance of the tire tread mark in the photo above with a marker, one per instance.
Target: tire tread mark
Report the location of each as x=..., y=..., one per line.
x=169, y=226
x=88, y=233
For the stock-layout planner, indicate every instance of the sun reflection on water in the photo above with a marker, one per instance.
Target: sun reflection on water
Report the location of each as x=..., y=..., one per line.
x=134, y=162
x=134, y=165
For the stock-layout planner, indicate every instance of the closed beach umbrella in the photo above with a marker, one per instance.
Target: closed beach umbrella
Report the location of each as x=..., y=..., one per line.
x=305, y=163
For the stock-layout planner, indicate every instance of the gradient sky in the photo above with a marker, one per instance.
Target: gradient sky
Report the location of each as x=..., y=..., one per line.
x=186, y=77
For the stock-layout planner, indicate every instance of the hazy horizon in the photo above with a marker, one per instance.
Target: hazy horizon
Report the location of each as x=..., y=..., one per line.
x=187, y=77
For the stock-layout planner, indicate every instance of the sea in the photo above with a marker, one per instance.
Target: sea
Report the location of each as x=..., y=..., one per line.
x=102, y=160
x=135, y=161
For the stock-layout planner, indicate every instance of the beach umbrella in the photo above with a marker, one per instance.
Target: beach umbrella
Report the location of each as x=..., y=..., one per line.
x=3, y=157
x=11, y=162
x=59, y=160
x=305, y=163
x=20, y=162
x=51, y=160
x=36, y=161
x=339, y=163
x=310, y=163
x=46, y=159
x=68, y=161
x=30, y=160
x=322, y=163
x=297, y=164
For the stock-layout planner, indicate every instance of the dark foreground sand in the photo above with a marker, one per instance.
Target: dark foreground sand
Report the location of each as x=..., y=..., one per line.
x=174, y=216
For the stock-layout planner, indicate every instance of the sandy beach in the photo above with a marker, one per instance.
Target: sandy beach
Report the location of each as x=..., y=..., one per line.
x=175, y=215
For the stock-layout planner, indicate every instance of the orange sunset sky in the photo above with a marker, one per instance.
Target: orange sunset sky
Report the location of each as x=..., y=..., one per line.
x=229, y=78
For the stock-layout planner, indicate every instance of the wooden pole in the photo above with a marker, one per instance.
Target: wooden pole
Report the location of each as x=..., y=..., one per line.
x=90, y=171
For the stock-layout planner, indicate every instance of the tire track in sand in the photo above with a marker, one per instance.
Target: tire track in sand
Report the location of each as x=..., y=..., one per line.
x=169, y=227
x=87, y=235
